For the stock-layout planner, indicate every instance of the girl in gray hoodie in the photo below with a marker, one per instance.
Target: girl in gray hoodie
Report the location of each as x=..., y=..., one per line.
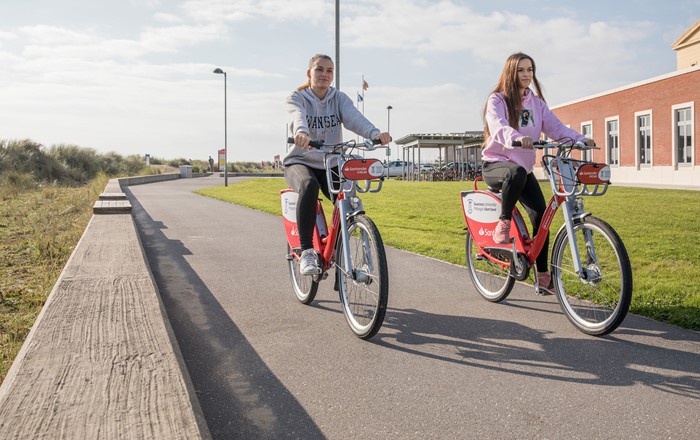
x=318, y=112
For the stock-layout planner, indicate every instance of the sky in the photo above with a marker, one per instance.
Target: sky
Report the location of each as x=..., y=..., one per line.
x=136, y=76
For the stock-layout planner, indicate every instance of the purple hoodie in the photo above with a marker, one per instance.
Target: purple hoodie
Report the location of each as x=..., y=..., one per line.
x=535, y=118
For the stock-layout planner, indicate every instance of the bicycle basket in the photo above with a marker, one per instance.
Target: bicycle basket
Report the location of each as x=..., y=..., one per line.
x=582, y=178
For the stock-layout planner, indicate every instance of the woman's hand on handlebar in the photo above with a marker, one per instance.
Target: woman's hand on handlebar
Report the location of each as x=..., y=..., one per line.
x=525, y=142
x=384, y=138
x=302, y=140
x=589, y=142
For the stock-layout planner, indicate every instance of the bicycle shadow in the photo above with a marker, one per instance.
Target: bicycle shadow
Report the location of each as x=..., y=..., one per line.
x=516, y=349
x=239, y=395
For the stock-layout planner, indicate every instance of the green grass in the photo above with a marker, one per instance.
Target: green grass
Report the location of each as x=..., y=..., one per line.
x=426, y=218
x=39, y=228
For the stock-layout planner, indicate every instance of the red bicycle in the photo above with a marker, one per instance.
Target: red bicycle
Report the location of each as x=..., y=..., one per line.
x=351, y=245
x=589, y=263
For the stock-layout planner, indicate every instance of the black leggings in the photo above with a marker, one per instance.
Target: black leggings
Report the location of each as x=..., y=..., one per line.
x=307, y=182
x=518, y=185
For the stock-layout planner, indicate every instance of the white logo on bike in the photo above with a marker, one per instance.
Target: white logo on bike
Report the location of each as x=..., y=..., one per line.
x=486, y=232
x=481, y=207
x=376, y=169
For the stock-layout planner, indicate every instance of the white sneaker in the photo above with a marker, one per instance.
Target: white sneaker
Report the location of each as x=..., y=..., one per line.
x=308, y=263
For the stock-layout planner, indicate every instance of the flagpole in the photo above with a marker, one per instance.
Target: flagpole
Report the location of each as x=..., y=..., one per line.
x=363, y=94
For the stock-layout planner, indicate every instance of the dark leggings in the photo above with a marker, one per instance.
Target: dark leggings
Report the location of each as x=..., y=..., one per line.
x=517, y=185
x=307, y=182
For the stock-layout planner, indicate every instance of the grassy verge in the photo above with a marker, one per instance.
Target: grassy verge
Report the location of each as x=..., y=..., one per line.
x=39, y=228
x=426, y=218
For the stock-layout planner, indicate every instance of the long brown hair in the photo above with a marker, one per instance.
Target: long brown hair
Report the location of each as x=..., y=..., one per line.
x=313, y=59
x=509, y=86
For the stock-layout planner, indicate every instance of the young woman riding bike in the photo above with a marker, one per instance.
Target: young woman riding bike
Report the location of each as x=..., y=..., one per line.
x=318, y=112
x=513, y=113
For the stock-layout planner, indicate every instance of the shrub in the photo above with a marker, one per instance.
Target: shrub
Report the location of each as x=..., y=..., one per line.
x=82, y=164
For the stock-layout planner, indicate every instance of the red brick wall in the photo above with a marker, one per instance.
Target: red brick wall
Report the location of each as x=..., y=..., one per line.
x=658, y=96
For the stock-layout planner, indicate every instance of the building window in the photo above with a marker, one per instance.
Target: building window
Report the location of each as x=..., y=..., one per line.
x=612, y=138
x=643, y=122
x=683, y=134
x=587, y=130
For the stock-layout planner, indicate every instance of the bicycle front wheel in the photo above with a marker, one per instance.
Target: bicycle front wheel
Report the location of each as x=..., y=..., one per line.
x=304, y=286
x=363, y=285
x=597, y=303
x=492, y=280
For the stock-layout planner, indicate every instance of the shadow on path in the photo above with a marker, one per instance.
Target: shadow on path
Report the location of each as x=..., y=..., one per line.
x=239, y=395
x=513, y=348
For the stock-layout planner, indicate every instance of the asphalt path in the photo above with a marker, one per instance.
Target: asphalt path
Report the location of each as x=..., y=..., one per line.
x=445, y=365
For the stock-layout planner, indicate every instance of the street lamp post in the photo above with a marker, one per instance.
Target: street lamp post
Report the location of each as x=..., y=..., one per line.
x=218, y=70
x=388, y=129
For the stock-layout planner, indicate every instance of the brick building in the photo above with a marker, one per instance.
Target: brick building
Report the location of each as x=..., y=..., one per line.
x=647, y=131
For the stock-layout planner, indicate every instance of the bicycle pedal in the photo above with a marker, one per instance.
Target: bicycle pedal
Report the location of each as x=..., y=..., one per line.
x=542, y=291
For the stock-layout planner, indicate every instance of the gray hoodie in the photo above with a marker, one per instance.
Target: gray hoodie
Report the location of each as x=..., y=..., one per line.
x=321, y=120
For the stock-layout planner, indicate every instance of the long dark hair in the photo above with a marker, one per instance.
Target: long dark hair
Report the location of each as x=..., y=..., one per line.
x=509, y=86
x=313, y=59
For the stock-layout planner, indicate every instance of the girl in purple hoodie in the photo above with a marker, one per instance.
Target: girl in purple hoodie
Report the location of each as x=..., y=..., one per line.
x=514, y=113
x=318, y=112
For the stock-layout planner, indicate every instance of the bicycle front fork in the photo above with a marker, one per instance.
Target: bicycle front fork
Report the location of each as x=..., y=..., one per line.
x=573, y=211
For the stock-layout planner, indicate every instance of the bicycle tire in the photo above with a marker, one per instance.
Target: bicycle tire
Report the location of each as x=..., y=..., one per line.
x=492, y=281
x=303, y=286
x=364, y=290
x=599, y=305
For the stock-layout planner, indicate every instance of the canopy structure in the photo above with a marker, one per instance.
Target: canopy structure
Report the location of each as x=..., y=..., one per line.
x=462, y=148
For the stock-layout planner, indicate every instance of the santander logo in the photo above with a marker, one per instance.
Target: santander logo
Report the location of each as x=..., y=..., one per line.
x=486, y=232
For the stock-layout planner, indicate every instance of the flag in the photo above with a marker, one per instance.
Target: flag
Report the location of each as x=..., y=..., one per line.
x=365, y=86
x=360, y=98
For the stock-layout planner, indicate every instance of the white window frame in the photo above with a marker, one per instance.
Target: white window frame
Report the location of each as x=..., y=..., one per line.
x=608, y=156
x=674, y=138
x=637, y=155
x=587, y=155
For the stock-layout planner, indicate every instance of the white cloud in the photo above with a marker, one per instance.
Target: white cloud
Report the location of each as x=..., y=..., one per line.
x=174, y=38
x=51, y=36
x=8, y=36
x=152, y=88
x=313, y=11
x=167, y=18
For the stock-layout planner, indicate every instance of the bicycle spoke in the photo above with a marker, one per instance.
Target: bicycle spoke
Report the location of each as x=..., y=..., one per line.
x=364, y=288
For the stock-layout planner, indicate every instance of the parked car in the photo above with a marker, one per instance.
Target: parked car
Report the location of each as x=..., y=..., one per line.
x=427, y=167
x=397, y=168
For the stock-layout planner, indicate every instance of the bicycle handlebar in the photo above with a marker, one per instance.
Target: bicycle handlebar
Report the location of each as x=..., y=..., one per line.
x=545, y=144
x=320, y=144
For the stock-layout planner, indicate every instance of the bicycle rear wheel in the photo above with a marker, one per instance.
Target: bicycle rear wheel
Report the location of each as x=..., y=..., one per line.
x=598, y=304
x=492, y=281
x=364, y=288
x=304, y=286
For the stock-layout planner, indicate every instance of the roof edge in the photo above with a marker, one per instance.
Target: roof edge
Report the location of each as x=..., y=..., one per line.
x=630, y=86
x=681, y=40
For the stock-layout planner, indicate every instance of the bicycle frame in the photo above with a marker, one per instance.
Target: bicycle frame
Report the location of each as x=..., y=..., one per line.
x=569, y=179
x=351, y=170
